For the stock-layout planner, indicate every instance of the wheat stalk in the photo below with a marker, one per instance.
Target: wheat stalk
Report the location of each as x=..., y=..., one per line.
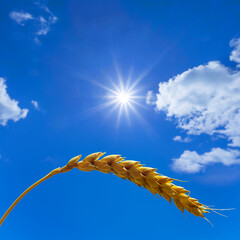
x=134, y=171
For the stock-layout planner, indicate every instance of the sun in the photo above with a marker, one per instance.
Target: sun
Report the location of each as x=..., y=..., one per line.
x=123, y=97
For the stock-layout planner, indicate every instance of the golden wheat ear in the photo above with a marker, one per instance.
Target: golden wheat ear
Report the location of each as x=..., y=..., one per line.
x=134, y=171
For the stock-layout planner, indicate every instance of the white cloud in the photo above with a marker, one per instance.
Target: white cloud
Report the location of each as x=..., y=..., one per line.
x=235, y=54
x=180, y=139
x=150, y=98
x=192, y=162
x=9, y=109
x=43, y=23
x=35, y=104
x=204, y=99
x=21, y=17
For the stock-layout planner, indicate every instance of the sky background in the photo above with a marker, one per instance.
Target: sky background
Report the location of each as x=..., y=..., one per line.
x=58, y=58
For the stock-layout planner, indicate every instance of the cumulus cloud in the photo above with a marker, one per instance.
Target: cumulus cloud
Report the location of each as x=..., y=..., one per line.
x=180, y=139
x=192, y=162
x=35, y=104
x=204, y=99
x=20, y=17
x=9, y=109
x=235, y=54
x=42, y=22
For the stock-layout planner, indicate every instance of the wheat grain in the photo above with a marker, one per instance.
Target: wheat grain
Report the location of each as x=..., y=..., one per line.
x=146, y=177
x=134, y=171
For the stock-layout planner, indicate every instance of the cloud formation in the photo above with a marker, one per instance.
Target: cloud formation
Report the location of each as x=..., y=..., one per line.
x=204, y=99
x=235, y=54
x=20, y=17
x=150, y=97
x=192, y=162
x=43, y=22
x=35, y=104
x=9, y=109
x=180, y=139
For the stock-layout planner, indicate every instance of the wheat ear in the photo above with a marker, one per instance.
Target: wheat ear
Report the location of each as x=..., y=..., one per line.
x=134, y=171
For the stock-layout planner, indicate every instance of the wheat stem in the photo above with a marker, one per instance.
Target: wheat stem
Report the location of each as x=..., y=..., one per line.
x=25, y=193
x=71, y=164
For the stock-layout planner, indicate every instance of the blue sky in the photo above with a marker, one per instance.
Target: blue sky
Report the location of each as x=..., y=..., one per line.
x=59, y=59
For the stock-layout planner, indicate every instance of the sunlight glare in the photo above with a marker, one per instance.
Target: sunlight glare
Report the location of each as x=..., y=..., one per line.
x=123, y=97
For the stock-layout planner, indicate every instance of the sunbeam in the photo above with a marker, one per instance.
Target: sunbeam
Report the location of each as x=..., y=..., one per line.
x=123, y=96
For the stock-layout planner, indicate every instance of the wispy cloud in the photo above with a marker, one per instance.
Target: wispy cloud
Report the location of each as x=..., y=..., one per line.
x=20, y=17
x=180, y=139
x=9, y=109
x=192, y=162
x=45, y=23
x=35, y=104
x=150, y=97
x=42, y=23
x=235, y=54
x=204, y=99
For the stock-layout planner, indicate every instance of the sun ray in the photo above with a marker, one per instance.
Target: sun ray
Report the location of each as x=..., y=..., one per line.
x=123, y=95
